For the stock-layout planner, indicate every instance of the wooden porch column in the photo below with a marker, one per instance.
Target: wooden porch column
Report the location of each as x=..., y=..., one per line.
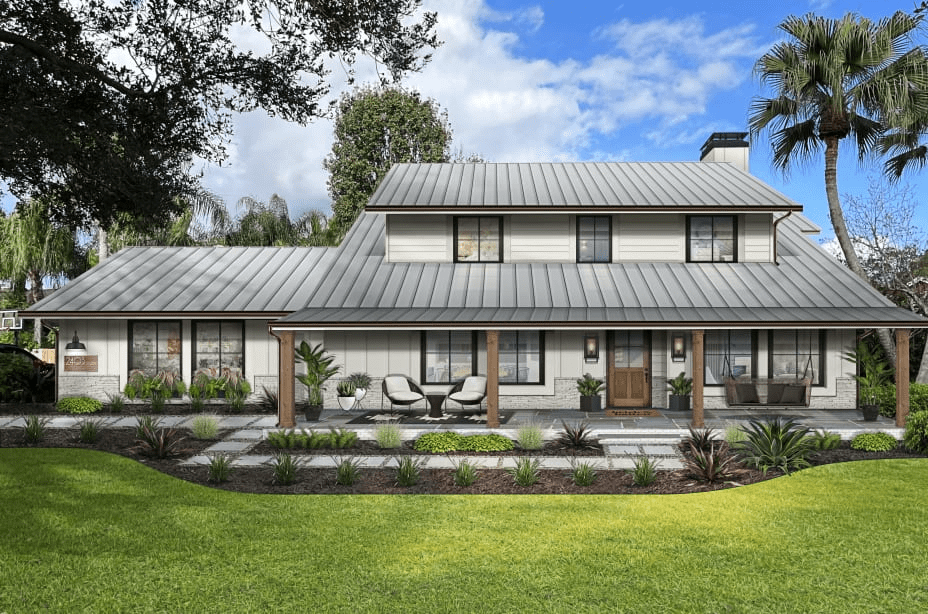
x=902, y=375
x=286, y=414
x=698, y=378
x=492, y=379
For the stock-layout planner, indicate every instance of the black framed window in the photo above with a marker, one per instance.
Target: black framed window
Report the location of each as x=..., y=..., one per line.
x=154, y=346
x=448, y=356
x=594, y=243
x=478, y=239
x=711, y=238
x=729, y=353
x=797, y=353
x=521, y=357
x=219, y=345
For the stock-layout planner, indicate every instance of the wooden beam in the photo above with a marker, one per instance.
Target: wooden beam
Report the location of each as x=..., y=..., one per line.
x=286, y=402
x=698, y=379
x=492, y=379
x=902, y=375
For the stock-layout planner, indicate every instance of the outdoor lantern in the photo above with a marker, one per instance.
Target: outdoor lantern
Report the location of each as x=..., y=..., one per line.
x=678, y=348
x=75, y=348
x=591, y=348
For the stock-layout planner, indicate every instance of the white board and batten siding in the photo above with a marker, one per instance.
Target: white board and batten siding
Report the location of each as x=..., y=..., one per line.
x=419, y=238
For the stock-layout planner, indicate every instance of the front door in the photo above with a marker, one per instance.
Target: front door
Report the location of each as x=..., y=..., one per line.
x=629, y=368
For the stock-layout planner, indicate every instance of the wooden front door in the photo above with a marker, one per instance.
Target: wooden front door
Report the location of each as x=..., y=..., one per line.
x=629, y=375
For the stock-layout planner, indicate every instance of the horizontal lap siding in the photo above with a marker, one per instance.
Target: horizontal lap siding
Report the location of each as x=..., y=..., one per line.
x=419, y=238
x=541, y=238
x=757, y=244
x=649, y=238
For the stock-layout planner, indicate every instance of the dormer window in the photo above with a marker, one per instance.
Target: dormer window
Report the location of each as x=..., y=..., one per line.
x=594, y=242
x=478, y=239
x=711, y=238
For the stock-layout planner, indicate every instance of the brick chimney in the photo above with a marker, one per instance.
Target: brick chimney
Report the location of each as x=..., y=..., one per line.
x=727, y=147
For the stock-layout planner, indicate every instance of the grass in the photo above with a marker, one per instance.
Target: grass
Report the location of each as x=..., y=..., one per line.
x=842, y=537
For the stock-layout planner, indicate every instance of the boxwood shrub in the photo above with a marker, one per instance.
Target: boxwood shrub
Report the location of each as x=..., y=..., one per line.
x=449, y=441
x=874, y=442
x=79, y=405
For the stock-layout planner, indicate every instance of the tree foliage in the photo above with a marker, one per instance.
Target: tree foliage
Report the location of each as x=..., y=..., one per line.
x=105, y=104
x=374, y=129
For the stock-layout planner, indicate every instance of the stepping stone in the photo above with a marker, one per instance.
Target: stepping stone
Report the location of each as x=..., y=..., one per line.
x=229, y=446
x=249, y=434
x=235, y=422
x=659, y=450
x=65, y=422
x=439, y=462
x=372, y=461
x=622, y=450
x=318, y=462
x=197, y=460
x=264, y=422
x=621, y=463
x=555, y=462
x=251, y=460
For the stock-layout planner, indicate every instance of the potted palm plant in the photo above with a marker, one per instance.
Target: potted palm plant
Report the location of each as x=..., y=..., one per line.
x=589, y=388
x=346, y=394
x=680, y=389
x=319, y=369
x=874, y=374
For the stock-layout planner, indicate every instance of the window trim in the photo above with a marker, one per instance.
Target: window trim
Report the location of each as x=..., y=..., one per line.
x=130, y=353
x=423, y=344
x=499, y=220
x=541, y=359
x=608, y=239
x=753, y=357
x=822, y=345
x=689, y=241
x=193, y=342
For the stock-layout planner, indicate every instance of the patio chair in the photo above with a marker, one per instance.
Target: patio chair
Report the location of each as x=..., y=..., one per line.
x=401, y=390
x=471, y=390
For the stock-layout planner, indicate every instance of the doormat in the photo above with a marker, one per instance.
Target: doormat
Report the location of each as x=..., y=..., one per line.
x=458, y=418
x=633, y=413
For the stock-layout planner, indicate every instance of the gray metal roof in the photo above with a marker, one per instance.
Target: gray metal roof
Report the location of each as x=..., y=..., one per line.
x=573, y=186
x=807, y=288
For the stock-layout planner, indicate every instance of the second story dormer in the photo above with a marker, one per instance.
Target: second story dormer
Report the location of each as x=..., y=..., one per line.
x=707, y=211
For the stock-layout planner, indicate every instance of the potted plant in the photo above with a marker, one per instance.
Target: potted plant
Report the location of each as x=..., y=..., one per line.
x=680, y=389
x=318, y=370
x=346, y=394
x=362, y=383
x=589, y=388
x=874, y=374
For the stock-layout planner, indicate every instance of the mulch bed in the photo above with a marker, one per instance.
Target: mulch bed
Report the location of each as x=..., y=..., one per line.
x=432, y=481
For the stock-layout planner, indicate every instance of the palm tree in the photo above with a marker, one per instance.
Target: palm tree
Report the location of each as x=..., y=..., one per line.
x=835, y=79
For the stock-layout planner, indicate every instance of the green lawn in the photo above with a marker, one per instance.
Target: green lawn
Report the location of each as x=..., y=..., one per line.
x=83, y=531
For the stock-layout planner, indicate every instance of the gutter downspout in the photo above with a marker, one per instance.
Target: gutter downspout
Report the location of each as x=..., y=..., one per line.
x=775, y=223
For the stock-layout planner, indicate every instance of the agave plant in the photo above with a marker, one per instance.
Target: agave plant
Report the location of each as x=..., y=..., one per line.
x=775, y=444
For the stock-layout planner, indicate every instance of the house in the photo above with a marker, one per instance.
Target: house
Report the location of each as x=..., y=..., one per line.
x=533, y=274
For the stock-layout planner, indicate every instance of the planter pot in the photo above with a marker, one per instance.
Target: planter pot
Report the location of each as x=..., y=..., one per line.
x=591, y=404
x=359, y=393
x=679, y=402
x=871, y=412
x=347, y=403
x=312, y=411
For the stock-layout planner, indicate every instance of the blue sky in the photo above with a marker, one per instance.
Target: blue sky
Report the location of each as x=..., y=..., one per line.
x=564, y=81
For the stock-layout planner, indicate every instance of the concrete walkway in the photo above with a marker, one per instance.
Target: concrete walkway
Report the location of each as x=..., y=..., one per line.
x=623, y=439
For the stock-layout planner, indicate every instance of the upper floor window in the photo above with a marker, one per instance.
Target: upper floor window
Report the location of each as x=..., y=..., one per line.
x=521, y=357
x=711, y=238
x=219, y=345
x=729, y=353
x=593, y=238
x=797, y=353
x=154, y=347
x=448, y=355
x=478, y=239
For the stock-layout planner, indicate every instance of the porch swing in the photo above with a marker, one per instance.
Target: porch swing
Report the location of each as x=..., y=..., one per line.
x=771, y=391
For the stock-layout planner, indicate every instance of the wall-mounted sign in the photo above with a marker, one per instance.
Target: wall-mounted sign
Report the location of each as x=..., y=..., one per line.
x=80, y=363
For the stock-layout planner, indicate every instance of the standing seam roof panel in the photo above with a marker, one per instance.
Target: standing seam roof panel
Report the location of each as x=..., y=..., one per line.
x=253, y=270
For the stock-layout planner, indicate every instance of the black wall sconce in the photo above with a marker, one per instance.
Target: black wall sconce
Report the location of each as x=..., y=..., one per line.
x=678, y=348
x=591, y=348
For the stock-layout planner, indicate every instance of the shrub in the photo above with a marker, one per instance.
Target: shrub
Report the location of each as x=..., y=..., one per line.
x=583, y=474
x=916, y=432
x=576, y=436
x=438, y=442
x=116, y=403
x=490, y=442
x=711, y=465
x=388, y=436
x=407, y=471
x=88, y=431
x=886, y=397
x=644, y=472
x=205, y=427
x=734, y=434
x=268, y=402
x=465, y=474
x=312, y=440
x=874, y=442
x=15, y=372
x=529, y=437
x=79, y=405
x=348, y=471
x=775, y=444
x=159, y=442
x=447, y=441
x=145, y=422
x=525, y=472
x=220, y=467
x=823, y=440
x=284, y=467
x=34, y=429
x=701, y=439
